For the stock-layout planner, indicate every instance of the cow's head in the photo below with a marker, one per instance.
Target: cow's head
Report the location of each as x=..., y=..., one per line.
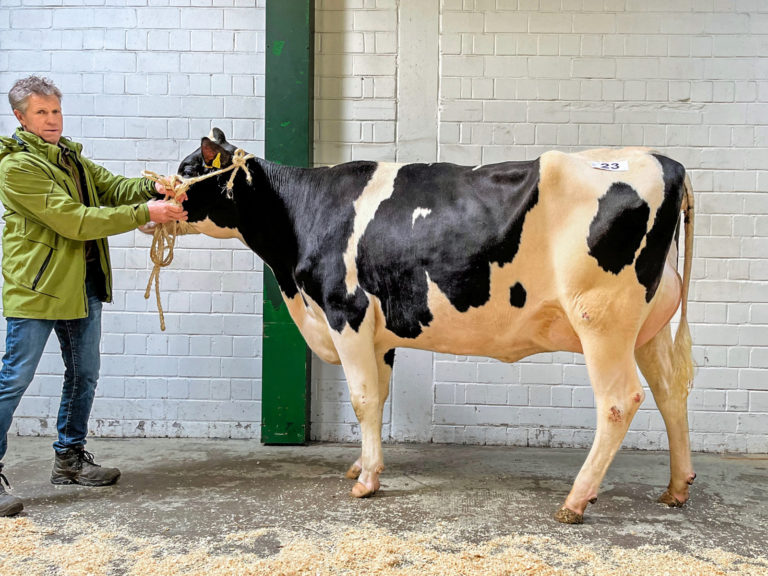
x=212, y=209
x=214, y=153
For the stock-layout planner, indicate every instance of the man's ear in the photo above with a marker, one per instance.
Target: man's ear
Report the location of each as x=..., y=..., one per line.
x=214, y=155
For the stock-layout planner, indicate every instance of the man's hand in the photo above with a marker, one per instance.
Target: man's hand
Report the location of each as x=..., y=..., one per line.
x=163, y=190
x=162, y=211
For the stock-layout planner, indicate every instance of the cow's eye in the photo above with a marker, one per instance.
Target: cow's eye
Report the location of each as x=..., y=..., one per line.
x=189, y=171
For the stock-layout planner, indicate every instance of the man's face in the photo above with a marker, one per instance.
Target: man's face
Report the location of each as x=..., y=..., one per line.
x=42, y=118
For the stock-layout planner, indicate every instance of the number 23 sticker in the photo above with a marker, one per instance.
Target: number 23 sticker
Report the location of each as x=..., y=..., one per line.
x=619, y=166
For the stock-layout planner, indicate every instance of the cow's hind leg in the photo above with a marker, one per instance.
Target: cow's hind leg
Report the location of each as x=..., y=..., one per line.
x=385, y=364
x=618, y=394
x=669, y=384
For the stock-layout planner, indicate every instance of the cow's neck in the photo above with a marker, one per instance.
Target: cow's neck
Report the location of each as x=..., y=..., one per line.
x=272, y=233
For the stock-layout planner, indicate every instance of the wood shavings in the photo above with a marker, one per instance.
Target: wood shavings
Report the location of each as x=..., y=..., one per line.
x=82, y=549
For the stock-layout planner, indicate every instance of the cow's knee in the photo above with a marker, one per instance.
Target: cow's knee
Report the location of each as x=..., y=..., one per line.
x=365, y=404
x=621, y=410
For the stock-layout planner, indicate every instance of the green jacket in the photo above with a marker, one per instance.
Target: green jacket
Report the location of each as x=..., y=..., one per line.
x=46, y=225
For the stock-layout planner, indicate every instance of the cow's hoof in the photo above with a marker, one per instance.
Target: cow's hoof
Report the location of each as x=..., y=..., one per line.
x=566, y=516
x=360, y=490
x=670, y=500
x=354, y=472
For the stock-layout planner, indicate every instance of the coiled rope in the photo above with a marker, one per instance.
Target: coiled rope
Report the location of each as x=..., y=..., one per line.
x=164, y=235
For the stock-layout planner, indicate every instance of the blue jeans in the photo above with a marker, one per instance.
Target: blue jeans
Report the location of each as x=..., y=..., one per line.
x=24, y=343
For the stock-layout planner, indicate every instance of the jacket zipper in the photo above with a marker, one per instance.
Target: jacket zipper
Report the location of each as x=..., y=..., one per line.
x=42, y=269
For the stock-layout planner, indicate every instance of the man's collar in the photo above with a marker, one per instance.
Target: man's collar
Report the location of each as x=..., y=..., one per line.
x=30, y=140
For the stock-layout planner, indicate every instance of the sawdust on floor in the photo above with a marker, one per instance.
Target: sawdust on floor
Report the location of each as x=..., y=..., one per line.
x=79, y=548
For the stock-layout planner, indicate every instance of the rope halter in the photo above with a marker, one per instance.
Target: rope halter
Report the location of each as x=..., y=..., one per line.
x=179, y=185
x=164, y=236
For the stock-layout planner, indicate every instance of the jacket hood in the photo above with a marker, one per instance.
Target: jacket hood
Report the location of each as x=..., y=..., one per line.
x=9, y=145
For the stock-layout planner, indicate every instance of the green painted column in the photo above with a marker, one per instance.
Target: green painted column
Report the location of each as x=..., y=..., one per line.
x=289, y=140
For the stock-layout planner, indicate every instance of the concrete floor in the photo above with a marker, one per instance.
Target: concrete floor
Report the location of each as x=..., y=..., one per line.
x=203, y=489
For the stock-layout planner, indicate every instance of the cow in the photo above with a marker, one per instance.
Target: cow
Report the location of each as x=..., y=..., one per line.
x=568, y=252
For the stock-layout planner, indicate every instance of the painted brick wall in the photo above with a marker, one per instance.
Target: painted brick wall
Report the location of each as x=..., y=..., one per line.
x=516, y=77
x=143, y=81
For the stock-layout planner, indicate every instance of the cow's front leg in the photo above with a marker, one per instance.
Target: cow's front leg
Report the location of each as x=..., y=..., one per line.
x=618, y=395
x=385, y=364
x=363, y=382
x=359, y=360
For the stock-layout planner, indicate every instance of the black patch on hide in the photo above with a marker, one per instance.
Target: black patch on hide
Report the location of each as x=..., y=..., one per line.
x=618, y=227
x=650, y=263
x=517, y=295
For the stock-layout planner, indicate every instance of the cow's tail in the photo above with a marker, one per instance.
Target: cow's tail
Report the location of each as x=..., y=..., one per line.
x=682, y=353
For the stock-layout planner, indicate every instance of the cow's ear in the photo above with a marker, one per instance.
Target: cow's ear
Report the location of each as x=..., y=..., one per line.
x=214, y=155
x=217, y=135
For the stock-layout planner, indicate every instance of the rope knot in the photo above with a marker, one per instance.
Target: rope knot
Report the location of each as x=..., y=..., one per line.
x=238, y=163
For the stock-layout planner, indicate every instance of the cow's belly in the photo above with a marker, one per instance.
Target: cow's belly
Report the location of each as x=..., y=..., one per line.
x=496, y=329
x=501, y=331
x=467, y=335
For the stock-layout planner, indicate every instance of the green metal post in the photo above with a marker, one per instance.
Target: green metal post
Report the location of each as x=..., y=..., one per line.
x=289, y=139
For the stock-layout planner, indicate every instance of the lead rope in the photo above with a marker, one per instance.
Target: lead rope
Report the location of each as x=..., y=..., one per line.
x=164, y=235
x=163, y=238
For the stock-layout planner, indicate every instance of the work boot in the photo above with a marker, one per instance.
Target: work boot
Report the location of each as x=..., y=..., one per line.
x=76, y=466
x=9, y=504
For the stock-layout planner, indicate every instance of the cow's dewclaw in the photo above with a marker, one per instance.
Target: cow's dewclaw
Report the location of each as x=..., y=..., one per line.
x=353, y=472
x=566, y=516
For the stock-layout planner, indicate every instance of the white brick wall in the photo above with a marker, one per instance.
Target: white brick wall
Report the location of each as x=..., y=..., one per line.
x=142, y=83
x=515, y=78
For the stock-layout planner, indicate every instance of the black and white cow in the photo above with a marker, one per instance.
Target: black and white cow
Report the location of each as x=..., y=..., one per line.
x=504, y=260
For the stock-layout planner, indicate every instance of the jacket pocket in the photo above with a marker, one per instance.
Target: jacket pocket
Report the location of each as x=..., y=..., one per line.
x=38, y=251
x=34, y=232
x=43, y=268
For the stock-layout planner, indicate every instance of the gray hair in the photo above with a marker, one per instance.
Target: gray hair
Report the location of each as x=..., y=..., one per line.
x=25, y=87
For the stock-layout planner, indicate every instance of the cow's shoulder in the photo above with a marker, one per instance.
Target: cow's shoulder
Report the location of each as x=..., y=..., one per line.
x=323, y=207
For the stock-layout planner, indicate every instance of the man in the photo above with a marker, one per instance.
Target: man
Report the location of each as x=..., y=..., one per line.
x=59, y=209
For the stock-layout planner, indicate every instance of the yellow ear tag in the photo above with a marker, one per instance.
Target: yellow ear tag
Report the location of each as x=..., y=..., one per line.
x=217, y=161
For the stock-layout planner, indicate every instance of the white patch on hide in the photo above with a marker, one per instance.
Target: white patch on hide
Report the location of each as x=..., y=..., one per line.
x=209, y=228
x=420, y=213
x=379, y=188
